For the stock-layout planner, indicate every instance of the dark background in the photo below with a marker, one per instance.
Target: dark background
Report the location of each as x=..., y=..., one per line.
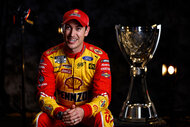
x=169, y=93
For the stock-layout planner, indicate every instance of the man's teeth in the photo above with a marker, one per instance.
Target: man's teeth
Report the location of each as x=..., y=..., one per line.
x=72, y=40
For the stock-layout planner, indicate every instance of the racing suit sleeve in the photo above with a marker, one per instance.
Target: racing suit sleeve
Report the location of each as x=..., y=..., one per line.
x=101, y=88
x=46, y=89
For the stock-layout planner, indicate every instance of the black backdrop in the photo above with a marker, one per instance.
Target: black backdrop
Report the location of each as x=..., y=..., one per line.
x=170, y=94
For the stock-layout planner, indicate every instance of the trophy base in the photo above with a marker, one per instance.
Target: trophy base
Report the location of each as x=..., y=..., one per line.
x=149, y=123
x=138, y=112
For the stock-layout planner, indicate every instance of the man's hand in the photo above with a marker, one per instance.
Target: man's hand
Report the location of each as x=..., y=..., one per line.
x=73, y=116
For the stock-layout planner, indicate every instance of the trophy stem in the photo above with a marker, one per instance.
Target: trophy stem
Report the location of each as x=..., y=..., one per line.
x=138, y=106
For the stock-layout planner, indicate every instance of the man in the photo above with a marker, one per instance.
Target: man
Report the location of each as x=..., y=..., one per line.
x=74, y=82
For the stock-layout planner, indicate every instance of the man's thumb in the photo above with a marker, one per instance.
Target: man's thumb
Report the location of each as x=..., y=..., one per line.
x=73, y=106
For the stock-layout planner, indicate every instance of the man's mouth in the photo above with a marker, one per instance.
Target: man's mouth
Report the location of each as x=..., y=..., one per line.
x=72, y=40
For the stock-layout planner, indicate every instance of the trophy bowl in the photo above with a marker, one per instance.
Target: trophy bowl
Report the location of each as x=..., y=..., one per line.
x=138, y=45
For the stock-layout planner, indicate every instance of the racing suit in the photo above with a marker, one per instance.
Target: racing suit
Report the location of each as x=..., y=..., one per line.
x=83, y=79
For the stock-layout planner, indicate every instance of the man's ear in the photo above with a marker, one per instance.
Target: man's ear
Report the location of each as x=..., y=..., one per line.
x=87, y=31
x=63, y=29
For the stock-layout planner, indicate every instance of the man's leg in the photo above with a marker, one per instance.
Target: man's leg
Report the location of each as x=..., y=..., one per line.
x=101, y=119
x=43, y=120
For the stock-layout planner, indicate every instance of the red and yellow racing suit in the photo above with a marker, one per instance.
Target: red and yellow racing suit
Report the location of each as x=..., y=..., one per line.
x=83, y=79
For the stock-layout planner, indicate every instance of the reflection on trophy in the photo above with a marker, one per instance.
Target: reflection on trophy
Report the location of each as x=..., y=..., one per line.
x=138, y=44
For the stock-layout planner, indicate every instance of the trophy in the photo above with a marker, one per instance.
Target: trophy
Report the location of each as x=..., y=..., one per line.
x=138, y=45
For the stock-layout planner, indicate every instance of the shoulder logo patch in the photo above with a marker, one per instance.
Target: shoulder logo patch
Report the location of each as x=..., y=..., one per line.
x=97, y=51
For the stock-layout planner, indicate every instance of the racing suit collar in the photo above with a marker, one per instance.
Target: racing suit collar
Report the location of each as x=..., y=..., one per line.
x=76, y=55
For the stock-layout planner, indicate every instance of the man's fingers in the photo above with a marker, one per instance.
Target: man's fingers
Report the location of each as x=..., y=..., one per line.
x=73, y=106
x=73, y=116
x=72, y=122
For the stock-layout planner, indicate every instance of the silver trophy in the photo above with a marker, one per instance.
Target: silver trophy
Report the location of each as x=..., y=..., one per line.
x=138, y=45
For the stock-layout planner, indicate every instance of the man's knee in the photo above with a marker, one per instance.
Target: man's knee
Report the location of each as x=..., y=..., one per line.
x=104, y=119
x=41, y=120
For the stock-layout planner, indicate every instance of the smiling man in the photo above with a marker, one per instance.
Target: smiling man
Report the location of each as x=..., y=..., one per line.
x=74, y=82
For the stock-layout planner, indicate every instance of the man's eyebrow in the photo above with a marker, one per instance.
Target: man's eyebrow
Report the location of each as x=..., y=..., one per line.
x=67, y=24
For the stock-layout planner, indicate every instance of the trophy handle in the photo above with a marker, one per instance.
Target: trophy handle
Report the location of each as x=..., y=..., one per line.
x=158, y=39
x=118, y=31
x=117, y=35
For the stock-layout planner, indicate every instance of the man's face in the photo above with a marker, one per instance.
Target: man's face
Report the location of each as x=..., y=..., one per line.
x=74, y=34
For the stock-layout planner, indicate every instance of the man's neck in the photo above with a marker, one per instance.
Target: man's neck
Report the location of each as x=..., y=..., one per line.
x=76, y=50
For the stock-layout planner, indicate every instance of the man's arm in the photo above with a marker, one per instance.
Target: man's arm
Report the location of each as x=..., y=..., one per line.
x=101, y=88
x=46, y=89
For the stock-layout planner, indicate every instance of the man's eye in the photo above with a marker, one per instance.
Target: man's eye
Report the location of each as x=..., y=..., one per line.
x=67, y=27
x=78, y=28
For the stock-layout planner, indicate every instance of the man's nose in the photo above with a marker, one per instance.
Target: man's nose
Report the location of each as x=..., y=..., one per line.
x=73, y=32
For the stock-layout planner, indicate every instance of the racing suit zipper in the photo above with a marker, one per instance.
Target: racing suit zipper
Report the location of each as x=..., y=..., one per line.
x=73, y=77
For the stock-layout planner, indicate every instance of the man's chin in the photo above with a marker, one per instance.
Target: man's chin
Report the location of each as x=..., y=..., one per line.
x=71, y=46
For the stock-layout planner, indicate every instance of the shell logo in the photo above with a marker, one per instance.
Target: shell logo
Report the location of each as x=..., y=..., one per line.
x=76, y=11
x=73, y=83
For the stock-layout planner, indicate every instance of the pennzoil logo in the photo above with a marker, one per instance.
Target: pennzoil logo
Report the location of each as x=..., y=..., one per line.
x=73, y=83
x=76, y=97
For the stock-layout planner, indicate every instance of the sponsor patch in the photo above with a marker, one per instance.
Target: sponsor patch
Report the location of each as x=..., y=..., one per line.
x=102, y=103
x=87, y=58
x=41, y=78
x=92, y=66
x=74, y=14
x=41, y=67
x=42, y=84
x=43, y=64
x=47, y=108
x=76, y=97
x=80, y=64
x=105, y=61
x=91, y=48
x=95, y=108
x=42, y=60
x=68, y=71
x=105, y=75
x=97, y=51
x=60, y=59
x=67, y=66
x=73, y=83
x=105, y=68
x=107, y=65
